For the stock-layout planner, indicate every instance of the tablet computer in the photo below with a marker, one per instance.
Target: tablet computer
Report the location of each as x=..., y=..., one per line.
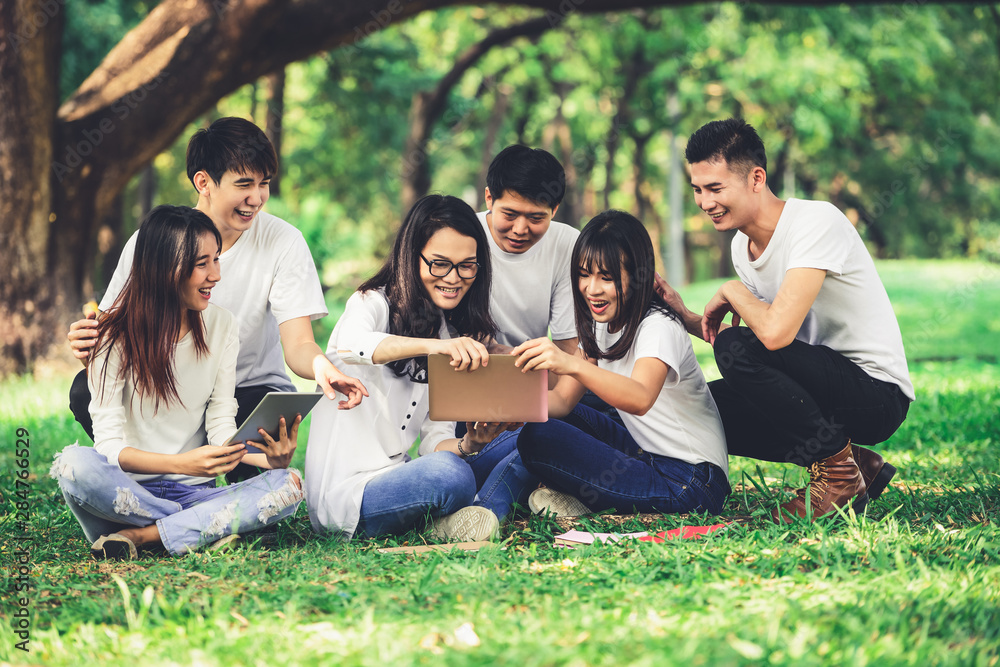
x=497, y=392
x=268, y=413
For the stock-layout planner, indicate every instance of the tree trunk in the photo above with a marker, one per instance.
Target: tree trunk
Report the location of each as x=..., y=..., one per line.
x=30, y=36
x=428, y=106
x=274, y=99
x=498, y=113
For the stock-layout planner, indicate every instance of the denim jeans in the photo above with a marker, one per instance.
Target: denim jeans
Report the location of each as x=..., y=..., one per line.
x=801, y=403
x=501, y=477
x=105, y=499
x=405, y=496
x=595, y=459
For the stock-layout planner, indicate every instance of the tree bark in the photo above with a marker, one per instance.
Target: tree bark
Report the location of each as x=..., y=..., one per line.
x=274, y=99
x=30, y=35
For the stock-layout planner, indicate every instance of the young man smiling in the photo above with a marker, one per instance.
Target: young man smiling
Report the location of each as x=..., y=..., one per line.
x=269, y=280
x=532, y=293
x=819, y=362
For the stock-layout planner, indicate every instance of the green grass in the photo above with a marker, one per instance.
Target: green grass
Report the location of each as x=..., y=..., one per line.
x=914, y=581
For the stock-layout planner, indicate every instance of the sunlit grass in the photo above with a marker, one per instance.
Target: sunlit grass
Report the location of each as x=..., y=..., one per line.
x=914, y=581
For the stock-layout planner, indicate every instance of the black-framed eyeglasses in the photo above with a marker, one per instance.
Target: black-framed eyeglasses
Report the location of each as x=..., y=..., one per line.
x=440, y=268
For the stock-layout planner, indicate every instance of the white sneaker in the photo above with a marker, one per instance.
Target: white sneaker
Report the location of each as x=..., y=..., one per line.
x=227, y=543
x=469, y=524
x=556, y=503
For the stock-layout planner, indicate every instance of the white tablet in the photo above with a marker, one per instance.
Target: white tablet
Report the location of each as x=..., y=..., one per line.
x=268, y=413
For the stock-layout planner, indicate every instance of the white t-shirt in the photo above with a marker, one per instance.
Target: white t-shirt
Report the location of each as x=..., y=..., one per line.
x=683, y=423
x=268, y=277
x=347, y=448
x=852, y=313
x=532, y=292
x=205, y=414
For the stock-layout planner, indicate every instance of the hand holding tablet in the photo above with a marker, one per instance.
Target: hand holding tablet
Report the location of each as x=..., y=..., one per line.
x=268, y=413
x=496, y=392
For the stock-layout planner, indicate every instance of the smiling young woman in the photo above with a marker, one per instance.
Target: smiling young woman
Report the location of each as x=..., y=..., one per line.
x=430, y=297
x=162, y=377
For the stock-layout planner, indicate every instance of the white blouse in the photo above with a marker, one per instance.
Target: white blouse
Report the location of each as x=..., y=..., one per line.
x=347, y=448
x=206, y=413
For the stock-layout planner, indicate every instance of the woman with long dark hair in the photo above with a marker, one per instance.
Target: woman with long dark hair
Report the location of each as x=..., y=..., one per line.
x=431, y=296
x=670, y=455
x=162, y=378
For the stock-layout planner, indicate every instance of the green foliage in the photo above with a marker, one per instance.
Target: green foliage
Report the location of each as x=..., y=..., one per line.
x=913, y=581
x=870, y=107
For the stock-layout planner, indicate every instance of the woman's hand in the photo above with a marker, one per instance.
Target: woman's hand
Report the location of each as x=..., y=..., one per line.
x=279, y=453
x=715, y=311
x=541, y=354
x=209, y=460
x=480, y=434
x=82, y=337
x=466, y=354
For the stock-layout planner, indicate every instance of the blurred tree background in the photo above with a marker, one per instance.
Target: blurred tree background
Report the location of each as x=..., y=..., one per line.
x=888, y=111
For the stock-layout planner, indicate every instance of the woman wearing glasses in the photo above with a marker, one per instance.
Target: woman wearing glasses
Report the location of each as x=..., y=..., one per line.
x=430, y=297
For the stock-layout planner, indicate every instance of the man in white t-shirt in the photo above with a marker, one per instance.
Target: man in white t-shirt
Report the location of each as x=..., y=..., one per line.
x=819, y=361
x=532, y=293
x=269, y=280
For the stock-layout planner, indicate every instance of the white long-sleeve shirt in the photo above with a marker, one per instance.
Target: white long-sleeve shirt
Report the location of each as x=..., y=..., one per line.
x=206, y=412
x=347, y=448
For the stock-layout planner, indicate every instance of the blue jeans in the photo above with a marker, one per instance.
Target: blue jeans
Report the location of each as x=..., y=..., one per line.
x=405, y=496
x=105, y=499
x=501, y=477
x=590, y=456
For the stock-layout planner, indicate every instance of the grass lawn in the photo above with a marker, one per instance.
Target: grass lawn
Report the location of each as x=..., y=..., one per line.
x=914, y=581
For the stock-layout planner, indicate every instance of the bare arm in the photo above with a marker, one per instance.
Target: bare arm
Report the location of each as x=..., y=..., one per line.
x=690, y=319
x=775, y=324
x=477, y=436
x=204, y=461
x=465, y=353
x=307, y=360
x=635, y=394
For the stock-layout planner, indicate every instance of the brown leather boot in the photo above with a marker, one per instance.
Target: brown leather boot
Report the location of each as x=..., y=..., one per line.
x=833, y=482
x=875, y=471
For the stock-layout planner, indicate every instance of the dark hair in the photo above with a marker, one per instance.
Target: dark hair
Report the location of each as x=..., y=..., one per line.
x=145, y=319
x=231, y=144
x=733, y=140
x=617, y=243
x=411, y=311
x=532, y=173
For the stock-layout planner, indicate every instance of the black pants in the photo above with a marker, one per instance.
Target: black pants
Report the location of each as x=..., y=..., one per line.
x=801, y=403
x=246, y=397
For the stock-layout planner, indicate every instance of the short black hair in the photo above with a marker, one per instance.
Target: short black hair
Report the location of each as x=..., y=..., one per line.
x=616, y=243
x=231, y=144
x=532, y=173
x=733, y=140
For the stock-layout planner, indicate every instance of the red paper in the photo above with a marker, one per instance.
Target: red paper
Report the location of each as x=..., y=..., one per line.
x=683, y=533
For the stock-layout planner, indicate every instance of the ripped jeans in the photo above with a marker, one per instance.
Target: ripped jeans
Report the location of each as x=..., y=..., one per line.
x=105, y=499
